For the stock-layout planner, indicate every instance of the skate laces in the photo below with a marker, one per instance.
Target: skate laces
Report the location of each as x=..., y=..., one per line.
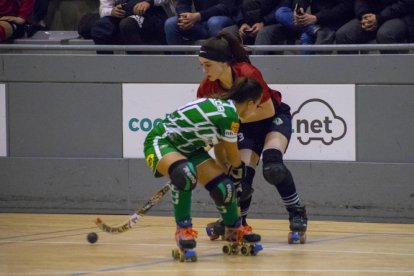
x=235, y=234
x=186, y=233
x=247, y=229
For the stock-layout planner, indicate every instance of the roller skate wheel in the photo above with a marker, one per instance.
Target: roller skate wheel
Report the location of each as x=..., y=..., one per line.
x=227, y=249
x=296, y=238
x=245, y=250
x=182, y=256
x=235, y=249
x=175, y=254
x=303, y=238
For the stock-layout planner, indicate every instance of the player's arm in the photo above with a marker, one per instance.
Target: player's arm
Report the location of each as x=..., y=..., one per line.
x=229, y=130
x=231, y=154
x=237, y=169
x=221, y=158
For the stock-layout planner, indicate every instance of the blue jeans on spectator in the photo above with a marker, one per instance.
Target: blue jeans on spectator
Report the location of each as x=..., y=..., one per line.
x=284, y=16
x=201, y=30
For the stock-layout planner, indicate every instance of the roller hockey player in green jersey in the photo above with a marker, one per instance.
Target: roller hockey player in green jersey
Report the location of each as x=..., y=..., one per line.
x=175, y=149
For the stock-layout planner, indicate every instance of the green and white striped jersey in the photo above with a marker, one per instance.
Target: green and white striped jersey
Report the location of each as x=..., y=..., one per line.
x=200, y=123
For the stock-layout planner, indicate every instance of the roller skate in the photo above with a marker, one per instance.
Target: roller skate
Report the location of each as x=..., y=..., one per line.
x=185, y=238
x=298, y=224
x=215, y=230
x=240, y=241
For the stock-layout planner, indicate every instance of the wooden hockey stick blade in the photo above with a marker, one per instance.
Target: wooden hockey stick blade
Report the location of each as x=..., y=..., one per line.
x=134, y=218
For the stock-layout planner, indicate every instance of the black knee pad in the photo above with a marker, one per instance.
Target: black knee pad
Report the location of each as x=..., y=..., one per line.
x=221, y=190
x=274, y=171
x=183, y=175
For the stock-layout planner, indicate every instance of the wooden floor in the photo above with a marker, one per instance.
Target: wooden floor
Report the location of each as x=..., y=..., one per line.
x=33, y=244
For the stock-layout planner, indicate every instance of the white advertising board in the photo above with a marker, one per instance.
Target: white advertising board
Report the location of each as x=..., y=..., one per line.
x=3, y=135
x=323, y=122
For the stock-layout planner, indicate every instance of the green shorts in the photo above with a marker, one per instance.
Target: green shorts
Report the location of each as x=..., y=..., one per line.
x=156, y=146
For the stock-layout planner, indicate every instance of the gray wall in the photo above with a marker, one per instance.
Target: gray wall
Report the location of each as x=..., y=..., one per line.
x=64, y=117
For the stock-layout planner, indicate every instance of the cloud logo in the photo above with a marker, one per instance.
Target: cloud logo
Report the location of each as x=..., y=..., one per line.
x=315, y=120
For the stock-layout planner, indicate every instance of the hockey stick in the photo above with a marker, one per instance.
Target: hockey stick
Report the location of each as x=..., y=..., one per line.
x=133, y=219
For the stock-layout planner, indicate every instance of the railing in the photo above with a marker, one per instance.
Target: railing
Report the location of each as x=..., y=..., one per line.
x=406, y=48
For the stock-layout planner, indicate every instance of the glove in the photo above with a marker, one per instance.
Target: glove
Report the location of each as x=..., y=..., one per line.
x=237, y=175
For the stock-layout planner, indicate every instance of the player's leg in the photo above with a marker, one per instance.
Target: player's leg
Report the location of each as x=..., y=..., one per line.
x=183, y=180
x=275, y=171
x=251, y=139
x=250, y=142
x=217, y=228
x=251, y=159
x=223, y=192
x=164, y=160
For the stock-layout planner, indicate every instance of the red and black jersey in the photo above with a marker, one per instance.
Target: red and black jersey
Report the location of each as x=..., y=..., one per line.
x=208, y=89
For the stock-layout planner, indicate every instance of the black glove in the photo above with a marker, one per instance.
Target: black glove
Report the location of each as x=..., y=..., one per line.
x=237, y=175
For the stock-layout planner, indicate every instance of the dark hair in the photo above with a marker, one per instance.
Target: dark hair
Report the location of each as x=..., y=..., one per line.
x=245, y=89
x=225, y=47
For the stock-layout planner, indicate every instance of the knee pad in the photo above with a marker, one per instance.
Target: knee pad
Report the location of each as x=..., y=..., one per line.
x=221, y=190
x=274, y=171
x=183, y=175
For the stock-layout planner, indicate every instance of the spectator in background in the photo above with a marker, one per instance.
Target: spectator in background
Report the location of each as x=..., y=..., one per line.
x=38, y=18
x=385, y=21
x=13, y=16
x=132, y=22
x=409, y=19
x=208, y=19
x=256, y=23
x=315, y=21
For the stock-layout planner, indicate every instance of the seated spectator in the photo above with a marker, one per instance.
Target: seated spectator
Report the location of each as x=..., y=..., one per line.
x=409, y=19
x=315, y=21
x=208, y=19
x=13, y=16
x=86, y=23
x=132, y=22
x=256, y=23
x=37, y=21
x=384, y=21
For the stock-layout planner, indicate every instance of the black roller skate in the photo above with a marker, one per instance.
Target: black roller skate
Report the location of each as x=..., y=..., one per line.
x=186, y=242
x=240, y=241
x=298, y=224
x=215, y=230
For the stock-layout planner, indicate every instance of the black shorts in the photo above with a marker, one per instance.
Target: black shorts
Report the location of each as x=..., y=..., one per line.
x=252, y=135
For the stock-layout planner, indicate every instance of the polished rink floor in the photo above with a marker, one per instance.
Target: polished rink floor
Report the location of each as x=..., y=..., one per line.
x=43, y=244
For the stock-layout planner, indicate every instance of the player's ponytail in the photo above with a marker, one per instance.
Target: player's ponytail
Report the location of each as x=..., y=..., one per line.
x=224, y=47
x=245, y=89
x=236, y=47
